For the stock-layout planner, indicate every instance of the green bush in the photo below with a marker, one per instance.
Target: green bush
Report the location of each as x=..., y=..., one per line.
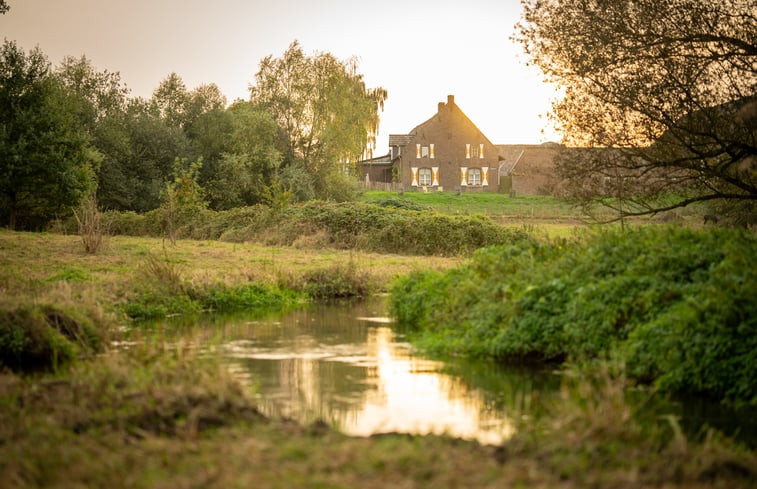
x=675, y=307
x=347, y=225
x=37, y=338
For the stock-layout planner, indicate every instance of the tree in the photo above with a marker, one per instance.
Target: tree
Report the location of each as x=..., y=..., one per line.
x=171, y=98
x=183, y=198
x=102, y=94
x=4, y=6
x=669, y=87
x=249, y=160
x=46, y=161
x=326, y=113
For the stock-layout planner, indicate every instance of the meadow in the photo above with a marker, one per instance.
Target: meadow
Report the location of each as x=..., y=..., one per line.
x=154, y=415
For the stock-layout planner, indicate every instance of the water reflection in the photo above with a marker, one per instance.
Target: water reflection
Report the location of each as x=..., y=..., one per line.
x=350, y=369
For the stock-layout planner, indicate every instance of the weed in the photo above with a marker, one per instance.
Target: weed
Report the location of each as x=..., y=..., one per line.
x=92, y=228
x=338, y=281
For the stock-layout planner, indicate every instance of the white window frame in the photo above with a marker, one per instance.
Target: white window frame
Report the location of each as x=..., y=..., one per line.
x=474, y=176
x=425, y=177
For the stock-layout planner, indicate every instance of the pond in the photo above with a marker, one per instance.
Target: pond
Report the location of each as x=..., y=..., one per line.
x=348, y=366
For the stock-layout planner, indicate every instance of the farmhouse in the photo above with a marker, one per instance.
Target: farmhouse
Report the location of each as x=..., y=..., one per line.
x=449, y=153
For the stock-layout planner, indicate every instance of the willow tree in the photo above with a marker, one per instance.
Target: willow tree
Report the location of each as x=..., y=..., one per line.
x=327, y=115
x=670, y=86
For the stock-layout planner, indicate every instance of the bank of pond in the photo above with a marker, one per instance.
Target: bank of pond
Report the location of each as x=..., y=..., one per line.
x=670, y=307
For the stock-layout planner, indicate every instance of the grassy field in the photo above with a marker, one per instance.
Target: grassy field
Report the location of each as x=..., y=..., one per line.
x=154, y=416
x=547, y=215
x=35, y=264
x=537, y=207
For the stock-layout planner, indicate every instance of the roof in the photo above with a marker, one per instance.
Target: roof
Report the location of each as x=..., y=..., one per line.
x=404, y=139
x=379, y=160
x=399, y=139
x=527, y=158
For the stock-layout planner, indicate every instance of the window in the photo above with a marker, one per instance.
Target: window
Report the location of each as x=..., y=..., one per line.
x=474, y=176
x=424, y=151
x=424, y=177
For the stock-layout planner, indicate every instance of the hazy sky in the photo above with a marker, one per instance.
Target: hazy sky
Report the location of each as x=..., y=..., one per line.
x=419, y=50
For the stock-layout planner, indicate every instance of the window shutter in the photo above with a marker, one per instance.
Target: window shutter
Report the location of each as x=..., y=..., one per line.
x=481, y=150
x=414, y=171
x=418, y=151
x=431, y=147
x=463, y=176
x=467, y=151
x=435, y=175
x=485, y=176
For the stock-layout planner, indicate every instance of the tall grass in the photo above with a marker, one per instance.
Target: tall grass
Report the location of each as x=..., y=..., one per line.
x=92, y=228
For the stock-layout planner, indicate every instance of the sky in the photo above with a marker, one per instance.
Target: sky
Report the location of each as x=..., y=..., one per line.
x=420, y=51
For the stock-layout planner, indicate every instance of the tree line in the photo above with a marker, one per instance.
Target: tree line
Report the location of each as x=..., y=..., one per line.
x=71, y=131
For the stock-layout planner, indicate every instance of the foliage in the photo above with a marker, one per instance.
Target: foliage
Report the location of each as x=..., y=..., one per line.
x=350, y=225
x=46, y=337
x=398, y=203
x=240, y=174
x=670, y=87
x=338, y=281
x=672, y=306
x=46, y=161
x=183, y=198
x=325, y=112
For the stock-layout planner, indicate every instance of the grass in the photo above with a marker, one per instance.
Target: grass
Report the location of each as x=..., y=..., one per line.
x=154, y=416
x=163, y=418
x=35, y=265
x=533, y=207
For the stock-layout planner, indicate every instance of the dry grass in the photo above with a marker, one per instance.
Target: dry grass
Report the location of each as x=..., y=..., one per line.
x=163, y=418
x=33, y=263
x=92, y=228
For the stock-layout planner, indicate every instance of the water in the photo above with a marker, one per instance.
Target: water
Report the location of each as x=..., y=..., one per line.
x=347, y=366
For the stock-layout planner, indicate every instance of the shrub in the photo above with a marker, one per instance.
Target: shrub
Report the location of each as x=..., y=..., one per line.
x=92, y=229
x=36, y=338
x=339, y=281
x=348, y=225
x=674, y=306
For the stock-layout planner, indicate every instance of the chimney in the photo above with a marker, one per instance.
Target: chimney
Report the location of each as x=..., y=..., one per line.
x=441, y=107
x=450, y=100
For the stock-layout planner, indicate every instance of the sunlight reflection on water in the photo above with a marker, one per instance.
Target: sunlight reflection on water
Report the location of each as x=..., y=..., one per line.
x=354, y=373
